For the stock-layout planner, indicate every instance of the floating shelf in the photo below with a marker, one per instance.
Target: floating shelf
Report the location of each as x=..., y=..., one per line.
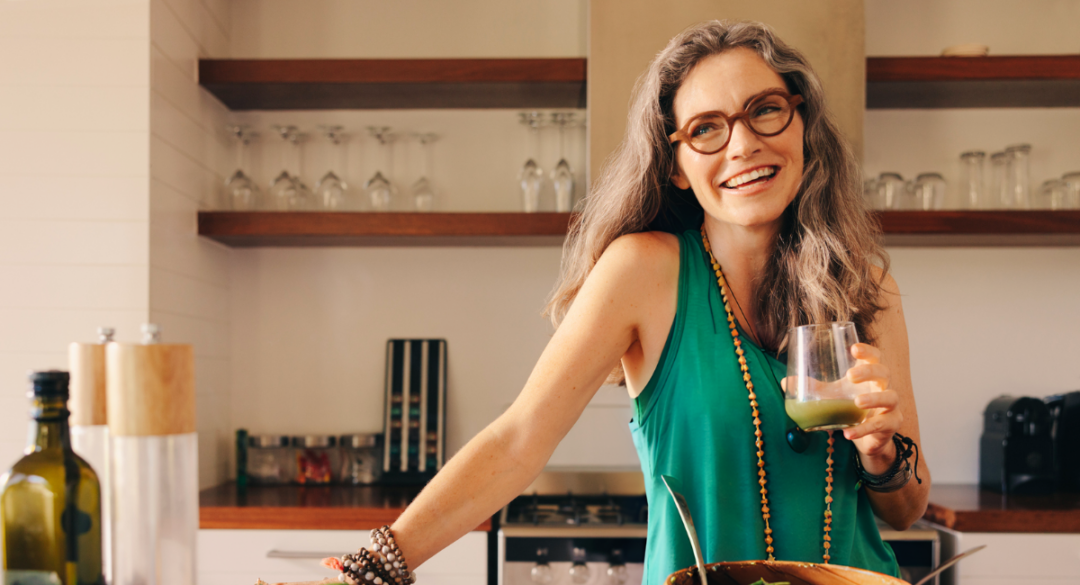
x=313, y=84
x=298, y=229
x=1036, y=81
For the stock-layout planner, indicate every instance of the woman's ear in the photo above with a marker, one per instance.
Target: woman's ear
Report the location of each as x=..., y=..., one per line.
x=678, y=179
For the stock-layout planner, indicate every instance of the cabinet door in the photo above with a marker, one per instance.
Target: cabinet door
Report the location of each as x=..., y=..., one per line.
x=239, y=557
x=1047, y=559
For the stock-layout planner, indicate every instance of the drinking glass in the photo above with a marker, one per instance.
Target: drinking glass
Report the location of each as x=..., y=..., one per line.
x=241, y=192
x=562, y=176
x=1072, y=189
x=872, y=194
x=422, y=192
x=1019, y=175
x=532, y=176
x=818, y=395
x=891, y=190
x=1050, y=195
x=999, y=196
x=379, y=189
x=287, y=191
x=972, y=194
x=929, y=191
x=331, y=192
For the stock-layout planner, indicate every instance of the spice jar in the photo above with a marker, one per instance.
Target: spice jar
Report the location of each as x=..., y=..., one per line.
x=317, y=457
x=362, y=458
x=270, y=459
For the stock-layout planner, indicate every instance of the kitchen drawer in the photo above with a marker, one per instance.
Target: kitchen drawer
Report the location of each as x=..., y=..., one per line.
x=1019, y=558
x=239, y=557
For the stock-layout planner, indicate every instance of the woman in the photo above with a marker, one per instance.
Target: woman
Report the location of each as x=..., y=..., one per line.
x=768, y=191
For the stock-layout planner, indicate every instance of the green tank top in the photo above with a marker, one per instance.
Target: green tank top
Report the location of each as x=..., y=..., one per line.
x=693, y=421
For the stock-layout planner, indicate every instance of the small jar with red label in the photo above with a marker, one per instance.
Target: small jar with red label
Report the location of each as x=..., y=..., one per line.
x=317, y=459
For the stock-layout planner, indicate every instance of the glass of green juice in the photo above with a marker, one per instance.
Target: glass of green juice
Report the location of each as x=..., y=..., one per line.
x=818, y=395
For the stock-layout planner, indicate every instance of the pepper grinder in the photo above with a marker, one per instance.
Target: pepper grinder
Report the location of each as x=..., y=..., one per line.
x=89, y=428
x=153, y=461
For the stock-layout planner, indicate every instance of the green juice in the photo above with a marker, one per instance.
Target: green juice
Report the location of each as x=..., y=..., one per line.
x=824, y=415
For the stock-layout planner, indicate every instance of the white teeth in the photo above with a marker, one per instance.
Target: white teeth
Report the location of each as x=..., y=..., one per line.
x=750, y=176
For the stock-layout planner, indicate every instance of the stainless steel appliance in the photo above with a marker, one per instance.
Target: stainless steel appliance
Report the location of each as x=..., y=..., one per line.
x=574, y=528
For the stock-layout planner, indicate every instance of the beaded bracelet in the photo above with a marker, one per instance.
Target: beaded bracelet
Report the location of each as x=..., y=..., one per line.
x=383, y=543
x=383, y=564
x=898, y=474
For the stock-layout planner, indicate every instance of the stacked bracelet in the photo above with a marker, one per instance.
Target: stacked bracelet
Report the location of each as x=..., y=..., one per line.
x=383, y=564
x=898, y=474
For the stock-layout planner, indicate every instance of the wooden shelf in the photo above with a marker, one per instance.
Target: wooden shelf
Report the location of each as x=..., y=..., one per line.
x=969, y=508
x=1036, y=81
x=312, y=84
x=298, y=229
x=269, y=228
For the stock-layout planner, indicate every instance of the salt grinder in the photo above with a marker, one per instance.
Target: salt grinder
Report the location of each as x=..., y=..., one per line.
x=153, y=461
x=89, y=428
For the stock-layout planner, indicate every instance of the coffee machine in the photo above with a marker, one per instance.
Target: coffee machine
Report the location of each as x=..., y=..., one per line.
x=1065, y=417
x=1016, y=451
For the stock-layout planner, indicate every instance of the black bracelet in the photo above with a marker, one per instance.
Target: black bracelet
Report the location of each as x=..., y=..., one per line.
x=898, y=474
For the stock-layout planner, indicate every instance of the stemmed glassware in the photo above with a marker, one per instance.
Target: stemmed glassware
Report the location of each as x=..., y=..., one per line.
x=241, y=192
x=379, y=189
x=331, y=192
x=562, y=176
x=422, y=192
x=287, y=191
x=532, y=176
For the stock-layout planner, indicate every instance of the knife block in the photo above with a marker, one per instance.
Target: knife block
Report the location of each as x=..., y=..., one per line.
x=414, y=422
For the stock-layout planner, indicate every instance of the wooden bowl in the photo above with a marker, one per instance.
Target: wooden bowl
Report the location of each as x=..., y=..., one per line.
x=747, y=572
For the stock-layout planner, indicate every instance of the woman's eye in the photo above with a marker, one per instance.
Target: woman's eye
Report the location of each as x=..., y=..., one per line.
x=766, y=109
x=702, y=129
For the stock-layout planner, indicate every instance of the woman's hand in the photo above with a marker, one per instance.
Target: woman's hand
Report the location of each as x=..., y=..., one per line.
x=873, y=437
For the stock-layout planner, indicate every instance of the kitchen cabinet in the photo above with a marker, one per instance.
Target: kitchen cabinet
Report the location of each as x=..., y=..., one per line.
x=232, y=557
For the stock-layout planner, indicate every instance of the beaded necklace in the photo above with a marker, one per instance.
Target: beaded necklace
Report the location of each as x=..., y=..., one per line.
x=759, y=441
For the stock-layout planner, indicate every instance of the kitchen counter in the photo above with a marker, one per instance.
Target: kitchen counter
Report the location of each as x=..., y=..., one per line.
x=295, y=507
x=967, y=508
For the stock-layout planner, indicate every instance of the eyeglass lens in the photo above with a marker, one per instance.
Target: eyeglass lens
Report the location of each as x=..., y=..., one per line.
x=767, y=116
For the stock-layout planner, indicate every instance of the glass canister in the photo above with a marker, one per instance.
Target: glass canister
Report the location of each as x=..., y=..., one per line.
x=1071, y=183
x=317, y=459
x=1019, y=175
x=872, y=195
x=270, y=459
x=361, y=458
x=998, y=198
x=1050, y=195
x=929, y=191
x=891, y=190
x=971, y=191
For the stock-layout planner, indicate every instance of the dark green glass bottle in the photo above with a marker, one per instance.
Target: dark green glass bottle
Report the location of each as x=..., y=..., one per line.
x=50, y=501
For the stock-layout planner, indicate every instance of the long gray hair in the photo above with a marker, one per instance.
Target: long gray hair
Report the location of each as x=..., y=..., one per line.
x=821, y=267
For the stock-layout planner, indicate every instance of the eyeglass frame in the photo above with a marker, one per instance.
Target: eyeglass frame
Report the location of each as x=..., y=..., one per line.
x=681, y=135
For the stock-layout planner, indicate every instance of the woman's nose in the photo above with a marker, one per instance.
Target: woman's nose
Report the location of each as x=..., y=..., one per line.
x=743, y=142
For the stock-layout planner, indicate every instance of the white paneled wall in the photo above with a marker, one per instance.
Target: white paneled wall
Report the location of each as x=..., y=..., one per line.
x=189, y=159
x=74, y=185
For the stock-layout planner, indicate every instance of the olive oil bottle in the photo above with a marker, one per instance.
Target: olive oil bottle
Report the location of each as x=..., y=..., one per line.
x=50, y=501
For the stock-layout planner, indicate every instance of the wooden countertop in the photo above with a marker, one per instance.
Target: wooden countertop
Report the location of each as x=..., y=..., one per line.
x=295, y=507
x=966, y=508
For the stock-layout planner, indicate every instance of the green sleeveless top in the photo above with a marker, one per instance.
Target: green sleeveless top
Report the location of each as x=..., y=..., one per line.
x=693, y=421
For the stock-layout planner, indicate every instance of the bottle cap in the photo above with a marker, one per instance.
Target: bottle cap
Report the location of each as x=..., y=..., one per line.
x=53, y=383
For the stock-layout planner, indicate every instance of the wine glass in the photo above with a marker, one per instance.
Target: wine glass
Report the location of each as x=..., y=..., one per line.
x=532, y=176
x=422, y=192
x=562, y=176
x=287, y=191
x=330, y=191
x=241, y=192
x=379, y=189
x=818, y=395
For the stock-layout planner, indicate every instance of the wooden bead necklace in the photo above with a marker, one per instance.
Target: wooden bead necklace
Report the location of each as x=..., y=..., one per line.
x=759, y=437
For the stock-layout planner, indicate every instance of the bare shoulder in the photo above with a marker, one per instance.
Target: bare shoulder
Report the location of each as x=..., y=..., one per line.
x=890, y=290
x=636, y=268
x=644, y=252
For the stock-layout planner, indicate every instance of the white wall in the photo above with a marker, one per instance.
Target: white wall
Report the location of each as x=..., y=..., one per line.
x=190, y=156
x=74, y=170
x=984, y=321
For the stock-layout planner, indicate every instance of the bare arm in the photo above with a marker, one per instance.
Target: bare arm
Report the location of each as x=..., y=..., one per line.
x=889, y=365
x=504, y=458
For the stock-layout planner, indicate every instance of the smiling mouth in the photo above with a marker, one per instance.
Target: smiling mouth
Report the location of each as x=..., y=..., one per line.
x=753, y=177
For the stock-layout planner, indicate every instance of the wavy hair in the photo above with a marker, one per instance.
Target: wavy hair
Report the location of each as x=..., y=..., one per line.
x=821, y=267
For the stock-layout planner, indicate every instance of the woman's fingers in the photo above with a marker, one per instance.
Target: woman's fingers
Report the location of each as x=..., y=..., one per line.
x=883, y=424
x=866, y=352
x=870, y=372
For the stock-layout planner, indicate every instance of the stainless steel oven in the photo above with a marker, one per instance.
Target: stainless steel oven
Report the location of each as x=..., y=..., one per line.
x=590, y=528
